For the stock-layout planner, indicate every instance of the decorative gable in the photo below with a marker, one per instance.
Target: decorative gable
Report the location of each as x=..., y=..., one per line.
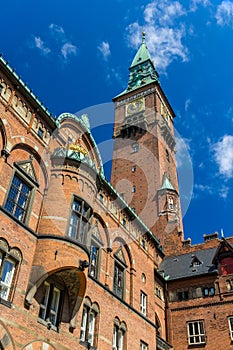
x=223, y=257
x=26, y=166
x=195, y=261
x=95, y=232
x=120, y=256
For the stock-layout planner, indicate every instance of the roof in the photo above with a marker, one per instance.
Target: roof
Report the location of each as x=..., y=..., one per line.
x=166, y=184
x=188, y=265
x=142, y=70
x=142, y=55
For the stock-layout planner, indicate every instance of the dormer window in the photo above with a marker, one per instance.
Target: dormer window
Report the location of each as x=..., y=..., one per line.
x=195, y=261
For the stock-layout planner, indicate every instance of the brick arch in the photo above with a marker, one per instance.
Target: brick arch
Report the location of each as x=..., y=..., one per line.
x=38, y=345
x=78, y=298
x=6, y=341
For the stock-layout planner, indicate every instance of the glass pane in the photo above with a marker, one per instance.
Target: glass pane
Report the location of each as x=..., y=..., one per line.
x=83, y=324
x=7, y=274
x=19, y=213
x=16, y=181
x=44, y=301
x=9, y=206
x=13, y=193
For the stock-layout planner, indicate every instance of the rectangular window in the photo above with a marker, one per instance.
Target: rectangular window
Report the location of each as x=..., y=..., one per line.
x=79, y=220
x=7, y=273
x=143, y=302
x=94, y=257
x=50, y=304
x=88, y=326
x=118, y=281
x=143, y=345
x=18, y=198
x=196, y=332
x=230, y=321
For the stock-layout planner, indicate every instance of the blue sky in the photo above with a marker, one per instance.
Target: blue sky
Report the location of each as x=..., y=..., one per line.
x=76, y=54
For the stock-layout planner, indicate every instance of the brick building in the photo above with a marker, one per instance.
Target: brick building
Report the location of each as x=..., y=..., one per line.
x=85, y=263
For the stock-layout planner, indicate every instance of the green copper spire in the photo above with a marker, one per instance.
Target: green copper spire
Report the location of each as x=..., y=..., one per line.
x=143, y=54
x=166, y=184
x=142, y=70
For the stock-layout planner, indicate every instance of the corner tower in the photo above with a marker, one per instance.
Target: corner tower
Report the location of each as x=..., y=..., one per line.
x=144, y=167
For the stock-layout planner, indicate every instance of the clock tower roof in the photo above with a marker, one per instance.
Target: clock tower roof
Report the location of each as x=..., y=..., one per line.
x=142, y=70
x=143, y=54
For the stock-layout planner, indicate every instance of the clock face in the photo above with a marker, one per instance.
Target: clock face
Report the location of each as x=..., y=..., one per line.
x=135, y=106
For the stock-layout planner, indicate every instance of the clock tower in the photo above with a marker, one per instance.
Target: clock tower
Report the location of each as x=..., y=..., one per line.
x=144, y=165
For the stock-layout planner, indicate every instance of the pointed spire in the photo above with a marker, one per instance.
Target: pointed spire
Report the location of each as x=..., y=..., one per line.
x=142, y=70
x=166, y=184
x=143, y=54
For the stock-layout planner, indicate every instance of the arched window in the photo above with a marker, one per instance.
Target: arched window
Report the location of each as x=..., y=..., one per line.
x=119, y=335
x=89, y=324
x=9, y=262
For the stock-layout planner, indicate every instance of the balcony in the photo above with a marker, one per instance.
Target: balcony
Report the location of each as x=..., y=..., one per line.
x=161, y=344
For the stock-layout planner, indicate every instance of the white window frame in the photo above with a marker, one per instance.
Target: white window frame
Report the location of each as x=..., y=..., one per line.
x=49, y=311
x=118, y=338
x=5, y=285
x=197, y=336
x=87, y=330
x=230, y=322
x=143, y=302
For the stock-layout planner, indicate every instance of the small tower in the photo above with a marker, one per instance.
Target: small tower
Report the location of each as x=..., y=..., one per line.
x=144, y=143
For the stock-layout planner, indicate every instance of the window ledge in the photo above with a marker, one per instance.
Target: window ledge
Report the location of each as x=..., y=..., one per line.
x=86, y=345
x=48, y=325
x=6, y=303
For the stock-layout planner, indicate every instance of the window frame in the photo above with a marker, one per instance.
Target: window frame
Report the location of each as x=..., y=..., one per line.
x=119, y=335
x=81, y=217
x=198, y=330
x=143, y=303
x=51, y=316
x=230, y=323
x=96, y=266
x=119, y=266
x=4, y=258
x=88, y=325
x=29, y=183
x=14, y=256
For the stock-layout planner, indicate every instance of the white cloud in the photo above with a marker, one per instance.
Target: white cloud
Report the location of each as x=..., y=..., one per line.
x=39, y=44
x=104, y=48
x=195, y=3
x=164, y=36
x=223, y=155
x=68, y=49
x=57, y=29
x=224, y=14
x=164, y=12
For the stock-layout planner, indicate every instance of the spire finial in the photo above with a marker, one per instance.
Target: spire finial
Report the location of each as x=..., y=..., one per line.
x=143, y=37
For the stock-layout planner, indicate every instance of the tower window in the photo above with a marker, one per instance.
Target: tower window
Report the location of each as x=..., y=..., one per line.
x=135, y=147
x=134, y=168
x=170, y=203
x=79, y=220
x=133, y=189
x=167, y=155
